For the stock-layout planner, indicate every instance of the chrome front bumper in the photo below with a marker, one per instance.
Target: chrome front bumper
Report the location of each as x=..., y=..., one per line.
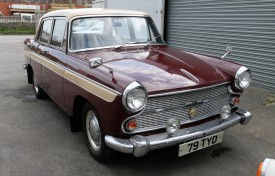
x=140, y=145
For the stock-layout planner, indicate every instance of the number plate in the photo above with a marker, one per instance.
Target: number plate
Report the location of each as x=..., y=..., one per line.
x=199, y=144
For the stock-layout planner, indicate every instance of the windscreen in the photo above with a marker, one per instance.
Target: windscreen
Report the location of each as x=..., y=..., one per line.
x=94, y=32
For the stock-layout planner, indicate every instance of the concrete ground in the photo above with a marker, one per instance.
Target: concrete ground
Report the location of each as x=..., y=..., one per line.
x=35, y=137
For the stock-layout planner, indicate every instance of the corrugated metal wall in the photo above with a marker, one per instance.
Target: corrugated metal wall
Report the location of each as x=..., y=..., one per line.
x=209, y=26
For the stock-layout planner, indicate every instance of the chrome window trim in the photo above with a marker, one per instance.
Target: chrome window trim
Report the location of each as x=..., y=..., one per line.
x=57, y=48
x=54, y=46
x=105, y=47
x=41, y=28
x=184, y=91
x=163, y=126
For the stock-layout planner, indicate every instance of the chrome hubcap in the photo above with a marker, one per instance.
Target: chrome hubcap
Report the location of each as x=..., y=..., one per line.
x=93, y=130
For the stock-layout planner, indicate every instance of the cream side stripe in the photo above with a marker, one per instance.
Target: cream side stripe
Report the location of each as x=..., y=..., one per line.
x=88, y=85
x=54, y=67
x=50, y=65
x=36, y=58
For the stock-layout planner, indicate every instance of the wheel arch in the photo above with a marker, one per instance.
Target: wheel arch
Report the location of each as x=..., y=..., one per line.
x=29, y=74
x=76, y=118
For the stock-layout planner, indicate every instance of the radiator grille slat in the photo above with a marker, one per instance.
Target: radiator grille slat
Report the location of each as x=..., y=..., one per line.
x=159, y=109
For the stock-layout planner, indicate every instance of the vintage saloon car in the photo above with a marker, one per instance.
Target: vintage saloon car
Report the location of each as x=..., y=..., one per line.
x=111, y=71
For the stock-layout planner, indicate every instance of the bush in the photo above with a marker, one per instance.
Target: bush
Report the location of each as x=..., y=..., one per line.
x=17, y=28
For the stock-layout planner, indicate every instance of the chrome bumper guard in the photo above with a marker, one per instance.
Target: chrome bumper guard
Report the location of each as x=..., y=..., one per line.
x=140, y=145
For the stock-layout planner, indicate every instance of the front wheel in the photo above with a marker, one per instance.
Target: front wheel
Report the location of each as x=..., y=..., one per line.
x=94, y=135
x=38, y=91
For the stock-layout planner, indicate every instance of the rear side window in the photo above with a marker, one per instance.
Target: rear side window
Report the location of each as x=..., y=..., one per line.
x=58, y=32
x=45, y=31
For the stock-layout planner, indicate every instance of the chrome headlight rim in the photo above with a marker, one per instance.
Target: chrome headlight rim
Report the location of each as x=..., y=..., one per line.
x=241, y=71
x=132, y=86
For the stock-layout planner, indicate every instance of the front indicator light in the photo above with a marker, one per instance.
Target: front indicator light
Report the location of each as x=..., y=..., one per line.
x=235, y=100
x=172, y=126
x=225, y=112
x=131, y=125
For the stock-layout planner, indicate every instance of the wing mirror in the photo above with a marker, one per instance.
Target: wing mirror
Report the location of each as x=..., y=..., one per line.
x=227, y=51
x=95, y=62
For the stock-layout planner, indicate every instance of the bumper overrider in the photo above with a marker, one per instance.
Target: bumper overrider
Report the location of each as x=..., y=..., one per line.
x=140, y=145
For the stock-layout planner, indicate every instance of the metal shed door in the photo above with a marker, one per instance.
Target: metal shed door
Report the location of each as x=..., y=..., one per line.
x=209, y=26
x=154, y=8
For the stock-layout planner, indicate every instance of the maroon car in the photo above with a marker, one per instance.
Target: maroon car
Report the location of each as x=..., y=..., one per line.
x=111, y=71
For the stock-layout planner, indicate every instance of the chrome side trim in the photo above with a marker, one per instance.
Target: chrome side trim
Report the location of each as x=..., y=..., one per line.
x=184, y=91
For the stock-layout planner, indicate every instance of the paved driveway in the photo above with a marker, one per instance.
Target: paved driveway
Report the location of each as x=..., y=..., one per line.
x=35, y=137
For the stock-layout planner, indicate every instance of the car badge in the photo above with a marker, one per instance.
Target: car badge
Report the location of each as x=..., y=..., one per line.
x=192, y=112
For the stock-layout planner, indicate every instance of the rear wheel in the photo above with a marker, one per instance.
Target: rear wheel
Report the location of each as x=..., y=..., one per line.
x=38, y=91
x=94, y=135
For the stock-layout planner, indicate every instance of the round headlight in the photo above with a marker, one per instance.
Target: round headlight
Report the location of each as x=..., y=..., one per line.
x=134, y=97
x=242, y=78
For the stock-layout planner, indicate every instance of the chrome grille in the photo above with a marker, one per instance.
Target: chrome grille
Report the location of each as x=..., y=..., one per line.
x=159, y=109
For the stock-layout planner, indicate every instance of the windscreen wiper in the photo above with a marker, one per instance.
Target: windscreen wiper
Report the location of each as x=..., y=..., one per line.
x=127, y=43
x=151, y=41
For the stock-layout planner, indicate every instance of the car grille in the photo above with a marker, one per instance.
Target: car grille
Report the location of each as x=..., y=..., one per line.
x=159, y=109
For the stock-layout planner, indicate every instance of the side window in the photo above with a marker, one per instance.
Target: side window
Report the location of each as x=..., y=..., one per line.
x=58, y=32
x=45, y=31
